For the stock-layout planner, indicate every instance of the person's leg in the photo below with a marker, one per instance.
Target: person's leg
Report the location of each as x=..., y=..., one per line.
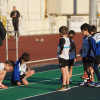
x=70, y=71
x=24, y=81
x=2, y=76
x=29, y=73
x=14, y=25
x=63, y=71
x=16, y=28
x=67, y=76
x=85, y=68
x=92, y=75
x=96, y=70
x=85, y=71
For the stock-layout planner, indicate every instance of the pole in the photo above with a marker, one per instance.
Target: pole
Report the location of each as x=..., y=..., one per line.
x=6, y=47
x=93, y=12
x=16, y=46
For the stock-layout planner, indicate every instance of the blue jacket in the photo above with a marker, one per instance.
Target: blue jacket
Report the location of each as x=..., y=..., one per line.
x=95, y=44
x=16, y=73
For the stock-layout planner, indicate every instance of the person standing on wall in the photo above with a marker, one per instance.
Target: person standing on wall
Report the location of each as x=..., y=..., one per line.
x=15, y=20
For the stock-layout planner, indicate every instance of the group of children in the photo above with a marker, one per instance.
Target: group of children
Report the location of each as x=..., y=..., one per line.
x=20, y=72
x=90, y=53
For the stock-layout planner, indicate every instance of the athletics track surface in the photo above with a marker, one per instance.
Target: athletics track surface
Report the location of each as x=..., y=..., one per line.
x=43, y=85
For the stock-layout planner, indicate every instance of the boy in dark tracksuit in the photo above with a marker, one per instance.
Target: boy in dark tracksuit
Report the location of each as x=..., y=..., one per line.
x=87, y=55
x=72, y=53
x=95, y=45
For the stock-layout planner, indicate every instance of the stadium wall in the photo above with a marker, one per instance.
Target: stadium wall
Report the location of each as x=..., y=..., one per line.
x=45, y=16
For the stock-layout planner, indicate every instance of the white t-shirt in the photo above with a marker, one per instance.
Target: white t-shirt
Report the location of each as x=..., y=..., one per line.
x=65, y=52
x=22, y=68
x=1, y=66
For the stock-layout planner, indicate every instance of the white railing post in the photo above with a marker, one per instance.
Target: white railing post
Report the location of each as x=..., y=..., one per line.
x=16, y=46
x=6, y=46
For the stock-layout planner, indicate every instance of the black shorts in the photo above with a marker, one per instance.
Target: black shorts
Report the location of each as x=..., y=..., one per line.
x=22, y=76
x=70, y=62
x=97, y=60
x=63, y=62
x=88, y=60
x=15, y=82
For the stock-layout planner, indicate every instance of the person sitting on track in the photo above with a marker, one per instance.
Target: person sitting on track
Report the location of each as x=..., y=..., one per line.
x=21, y=72
x=4, y=67
x=63, y=55
x=87, y=55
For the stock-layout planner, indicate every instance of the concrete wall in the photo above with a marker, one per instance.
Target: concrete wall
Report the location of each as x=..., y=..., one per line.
x=33, y=20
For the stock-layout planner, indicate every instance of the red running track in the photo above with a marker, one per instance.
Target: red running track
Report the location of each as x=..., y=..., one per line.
x=37, y=50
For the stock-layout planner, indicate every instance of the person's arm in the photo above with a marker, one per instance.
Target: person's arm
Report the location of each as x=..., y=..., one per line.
x=16, y=72
x=12, y=14
x=61, y=44
x=72, y=46
x=18, y=14
x=2, y=31
x=92, y=44
x=75, y=49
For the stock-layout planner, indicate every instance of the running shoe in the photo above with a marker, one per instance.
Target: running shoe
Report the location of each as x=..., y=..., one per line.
x=92, y=83
x=85, y=76
x=3, y=86
x=82, y=83
x=97, y=84
x=63, y=88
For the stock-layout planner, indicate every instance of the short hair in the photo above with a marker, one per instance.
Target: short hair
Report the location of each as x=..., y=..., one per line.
x=25, y=56
x=92, y=29
x=14, y=6
x=71, y=32
x=63, y=30
x=84, y=26
x=10, y=62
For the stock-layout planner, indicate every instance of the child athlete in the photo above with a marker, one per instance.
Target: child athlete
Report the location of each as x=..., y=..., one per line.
x=63, y=55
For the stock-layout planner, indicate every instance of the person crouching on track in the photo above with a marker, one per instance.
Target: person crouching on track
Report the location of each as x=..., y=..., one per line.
x=63, y=55
x=21, y=72
x=4, y=67
x=87, y=55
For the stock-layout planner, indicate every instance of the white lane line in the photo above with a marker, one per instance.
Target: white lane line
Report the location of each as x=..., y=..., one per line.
x=44, y=93
x=53, y=70
x=56, y=69
x=45, y=80
x=41, y=81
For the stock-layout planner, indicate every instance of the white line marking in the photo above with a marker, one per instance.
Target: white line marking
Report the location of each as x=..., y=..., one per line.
x=45, y=80
x=42, y=81
x=44, y=94
x=53, y=70
x=56, y=69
